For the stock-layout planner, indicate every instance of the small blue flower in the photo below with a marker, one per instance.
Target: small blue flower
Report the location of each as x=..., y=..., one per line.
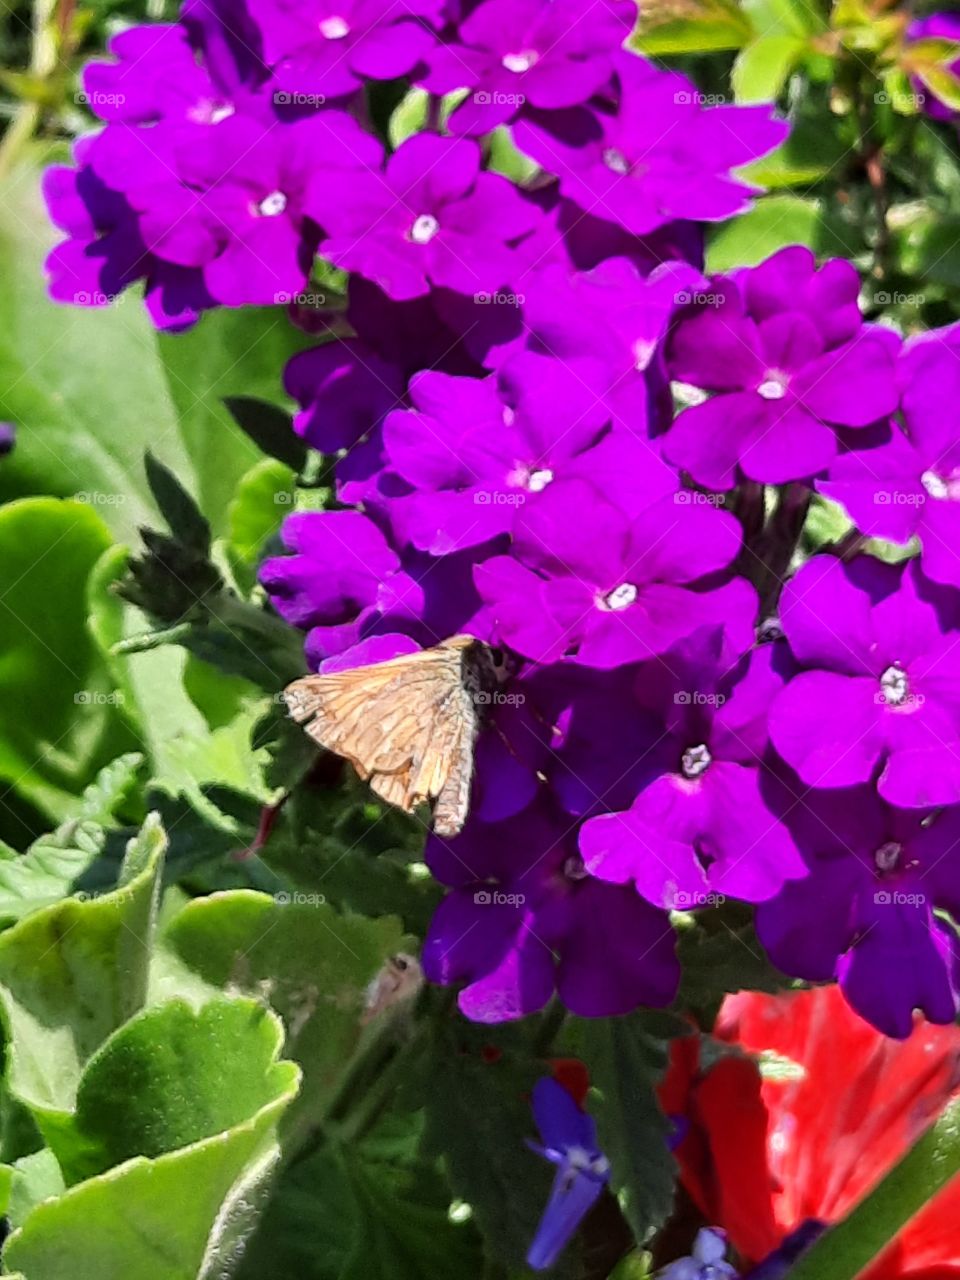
x=706, y=1262
x=570, y=1142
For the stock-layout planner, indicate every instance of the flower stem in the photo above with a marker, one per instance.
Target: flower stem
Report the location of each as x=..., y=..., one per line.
x=843, y=1252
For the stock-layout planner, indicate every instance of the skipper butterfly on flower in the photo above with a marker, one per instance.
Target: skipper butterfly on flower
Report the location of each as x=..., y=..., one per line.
x=408, y=726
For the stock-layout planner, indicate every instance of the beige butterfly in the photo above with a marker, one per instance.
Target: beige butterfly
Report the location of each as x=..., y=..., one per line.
x=409, y=725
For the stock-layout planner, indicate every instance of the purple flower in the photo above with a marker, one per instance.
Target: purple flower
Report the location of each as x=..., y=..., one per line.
x=516, y=52
x=586, y=578
x=709, y=824
x=430, y=219
x=881, y=688
x=909, y=483
x=783, y=347
x=706, y=1262
x=569, y=1138
x=155, y=76
x=865, y=914
x=324, y=49
x=524, y=918
x=345, y=583
x=661, y=155
x=608, y=325
x=479, y=451
x=345, y=391
x=246, y=191
x=104, y=252
x=8, y=438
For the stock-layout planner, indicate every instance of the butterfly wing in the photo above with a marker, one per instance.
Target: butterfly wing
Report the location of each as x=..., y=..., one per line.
x=408, y=726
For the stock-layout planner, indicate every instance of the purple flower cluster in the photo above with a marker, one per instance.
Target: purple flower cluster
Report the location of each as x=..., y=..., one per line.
x=688, y=720
x=237, y=145
x=691, y=715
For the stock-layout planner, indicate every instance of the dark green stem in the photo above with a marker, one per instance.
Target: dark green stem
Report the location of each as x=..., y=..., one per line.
x=852, y=1244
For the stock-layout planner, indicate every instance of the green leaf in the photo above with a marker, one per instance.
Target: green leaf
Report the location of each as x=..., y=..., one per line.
x=33, y=1179
x=70, y=974
x=82, y=384
x=177, y=507
x=270, y=429
x=158, y=1082
x=46, y=872
x=778, y=17
x=845, y=1250
x=107, y=792
x=228, y=354
x=264, y=497
x=312, y=964
x=773, y=223
x=691, y=26
x=762, y=67
x=183, y=1214
x=626, y=1057
x=92, y=388
x=477, y=1116
x=59, y=714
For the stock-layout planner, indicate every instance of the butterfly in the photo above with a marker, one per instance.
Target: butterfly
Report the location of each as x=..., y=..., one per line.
x=408, y=726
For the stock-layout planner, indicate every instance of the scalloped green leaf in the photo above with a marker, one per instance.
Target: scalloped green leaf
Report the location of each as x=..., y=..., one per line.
x=70, y=975
x=310, y=962
x=184, y=1213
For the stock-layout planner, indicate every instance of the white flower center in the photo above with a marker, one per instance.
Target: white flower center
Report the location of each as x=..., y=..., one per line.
x=334, y=28
x=424, y=229
x=935, y=485
x=695, y=761
x=621, y=597
x=893, y=686
x=888, y=855
x=574, y=869
x=774, y=387
x=222, y=111
x=616, y=160
x=521, y=61
x=539, y=480
x=581, y=1158
x=273, y=204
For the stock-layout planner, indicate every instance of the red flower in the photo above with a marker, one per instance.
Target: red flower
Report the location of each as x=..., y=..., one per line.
x=810, y=1121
